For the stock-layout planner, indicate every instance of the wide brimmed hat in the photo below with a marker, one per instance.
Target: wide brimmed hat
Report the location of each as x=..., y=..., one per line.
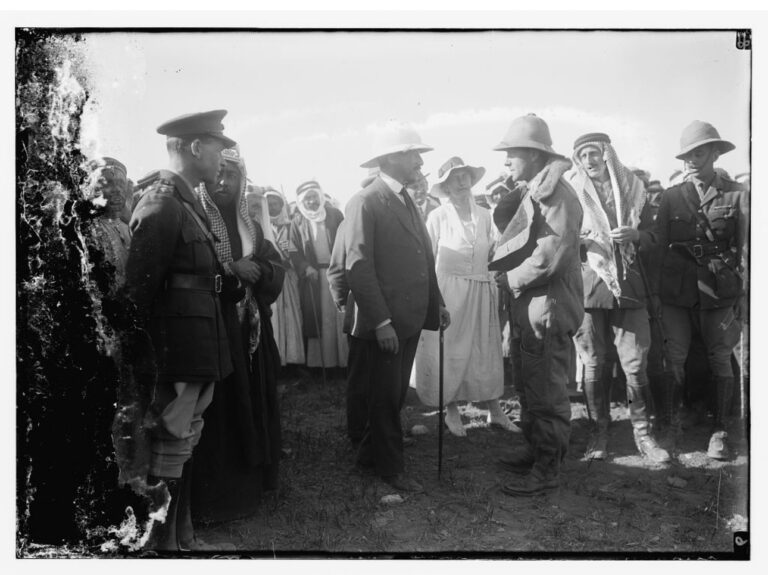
x=453, y=164
x=394, y=139
x=527, y=131
x=698, y=133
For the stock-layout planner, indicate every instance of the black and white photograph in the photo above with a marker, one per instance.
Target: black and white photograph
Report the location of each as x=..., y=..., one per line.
x=392, y=285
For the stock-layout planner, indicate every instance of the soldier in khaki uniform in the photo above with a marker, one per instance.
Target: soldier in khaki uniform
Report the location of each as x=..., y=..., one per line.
x=174, y=279
x=702, y=229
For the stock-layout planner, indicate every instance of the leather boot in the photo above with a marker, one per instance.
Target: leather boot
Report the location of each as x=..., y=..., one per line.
x=640, y=402
x=519, y=460
x=597, y=448
x=597, y=405
x=185, y=532
x=718, y=442
x=163, y=535
x=673, y=411
x=544, y=477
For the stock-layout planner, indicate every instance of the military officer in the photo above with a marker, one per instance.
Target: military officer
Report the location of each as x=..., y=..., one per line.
x=174, y=280
x=701, y=228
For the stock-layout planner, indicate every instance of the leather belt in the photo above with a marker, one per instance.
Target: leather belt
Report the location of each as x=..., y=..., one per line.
x=195, y=282
x=700, y=250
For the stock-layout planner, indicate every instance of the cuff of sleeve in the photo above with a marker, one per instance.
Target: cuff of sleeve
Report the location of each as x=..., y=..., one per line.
x=385, y=322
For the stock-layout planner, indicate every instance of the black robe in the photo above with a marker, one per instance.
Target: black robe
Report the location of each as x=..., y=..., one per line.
x=239, y=450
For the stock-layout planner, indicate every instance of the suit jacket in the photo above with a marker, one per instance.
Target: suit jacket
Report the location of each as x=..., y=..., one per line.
x=185, y=325
x=390, y=266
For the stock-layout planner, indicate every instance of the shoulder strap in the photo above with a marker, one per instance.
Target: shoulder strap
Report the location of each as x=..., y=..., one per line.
x=208, y=234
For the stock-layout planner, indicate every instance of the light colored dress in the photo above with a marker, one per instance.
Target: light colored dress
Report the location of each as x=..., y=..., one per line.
x=473, y=369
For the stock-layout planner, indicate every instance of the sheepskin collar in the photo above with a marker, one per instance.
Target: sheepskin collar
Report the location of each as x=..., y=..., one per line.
x=543, y=185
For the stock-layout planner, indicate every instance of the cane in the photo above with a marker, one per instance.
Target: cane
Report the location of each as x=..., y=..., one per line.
x=317, y=327
x=440, y=420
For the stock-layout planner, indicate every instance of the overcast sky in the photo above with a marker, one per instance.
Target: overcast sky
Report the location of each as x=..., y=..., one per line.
x=303, y=104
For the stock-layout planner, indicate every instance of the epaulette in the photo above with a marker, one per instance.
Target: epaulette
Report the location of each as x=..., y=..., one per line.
x=733, y=184
x=147, y=180
x=155, y=181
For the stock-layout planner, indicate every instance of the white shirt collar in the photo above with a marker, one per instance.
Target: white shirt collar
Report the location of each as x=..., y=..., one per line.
x=392, y=183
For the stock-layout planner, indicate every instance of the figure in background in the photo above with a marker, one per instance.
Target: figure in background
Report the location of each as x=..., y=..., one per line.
x=107, y=186
x=614, y=202
x=286, y=311
x=313, y=232
x=462, y=236
x=702, y=228
x=238, y=456
x=424, y=201
x=539, y=251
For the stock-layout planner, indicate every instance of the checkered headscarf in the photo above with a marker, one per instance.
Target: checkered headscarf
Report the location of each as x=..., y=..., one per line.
x=223, y=246
x=629, y=198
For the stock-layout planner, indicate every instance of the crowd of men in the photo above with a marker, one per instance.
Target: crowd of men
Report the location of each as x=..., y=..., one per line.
x=591, y=253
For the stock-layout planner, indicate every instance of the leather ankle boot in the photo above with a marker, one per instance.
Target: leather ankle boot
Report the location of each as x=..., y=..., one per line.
x=163, y=536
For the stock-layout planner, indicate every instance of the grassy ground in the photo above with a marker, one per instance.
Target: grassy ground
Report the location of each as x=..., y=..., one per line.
x=620, y=506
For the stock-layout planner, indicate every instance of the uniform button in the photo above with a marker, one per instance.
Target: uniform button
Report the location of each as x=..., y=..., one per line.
x=418, y=252
x=423, y=274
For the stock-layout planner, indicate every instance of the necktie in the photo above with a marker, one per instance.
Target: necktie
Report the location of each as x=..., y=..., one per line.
x=411, y=207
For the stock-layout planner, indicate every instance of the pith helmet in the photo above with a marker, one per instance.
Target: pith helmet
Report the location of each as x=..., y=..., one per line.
x=527, y=131
x=698, y=133
x=395, y=138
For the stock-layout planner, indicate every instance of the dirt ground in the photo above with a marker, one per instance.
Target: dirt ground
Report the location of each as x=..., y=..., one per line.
x=622, y=506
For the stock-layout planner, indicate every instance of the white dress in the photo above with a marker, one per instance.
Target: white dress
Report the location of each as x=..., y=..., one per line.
x=473, y=369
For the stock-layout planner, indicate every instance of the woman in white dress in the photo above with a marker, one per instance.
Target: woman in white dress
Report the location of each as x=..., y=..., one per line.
x=463, y=235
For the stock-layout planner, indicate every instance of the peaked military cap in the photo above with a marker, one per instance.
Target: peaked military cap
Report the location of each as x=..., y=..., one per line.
x=199, y=124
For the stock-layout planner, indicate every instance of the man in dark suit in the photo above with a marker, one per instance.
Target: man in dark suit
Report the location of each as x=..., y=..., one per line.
x=390, y=270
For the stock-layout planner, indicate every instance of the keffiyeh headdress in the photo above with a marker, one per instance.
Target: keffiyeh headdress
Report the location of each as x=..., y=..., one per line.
x=629, y=198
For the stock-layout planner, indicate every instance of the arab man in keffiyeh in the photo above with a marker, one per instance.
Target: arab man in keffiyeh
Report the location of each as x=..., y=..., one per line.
x=313, y=232
x=286, y=311
x=238, y=456
x=613, y=200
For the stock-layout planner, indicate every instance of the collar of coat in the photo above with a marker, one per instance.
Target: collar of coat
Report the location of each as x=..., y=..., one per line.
x=519, y=231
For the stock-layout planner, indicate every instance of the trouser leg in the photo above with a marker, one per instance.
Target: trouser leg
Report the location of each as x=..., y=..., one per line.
x=180, y=408
x=590, y=341
x=678, y=325
x=358, y=375
x=382, y=443
x=545, y=364
x=632, y=339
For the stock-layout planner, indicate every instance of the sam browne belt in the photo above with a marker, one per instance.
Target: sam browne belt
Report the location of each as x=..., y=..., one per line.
x=195, y=282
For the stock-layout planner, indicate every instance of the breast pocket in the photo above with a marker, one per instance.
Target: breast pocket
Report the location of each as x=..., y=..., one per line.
x=682, y=227
x=197, y=248
x=723, y=220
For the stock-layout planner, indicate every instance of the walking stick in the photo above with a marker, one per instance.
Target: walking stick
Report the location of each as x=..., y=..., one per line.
x=440, y=420
x=317, y=327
